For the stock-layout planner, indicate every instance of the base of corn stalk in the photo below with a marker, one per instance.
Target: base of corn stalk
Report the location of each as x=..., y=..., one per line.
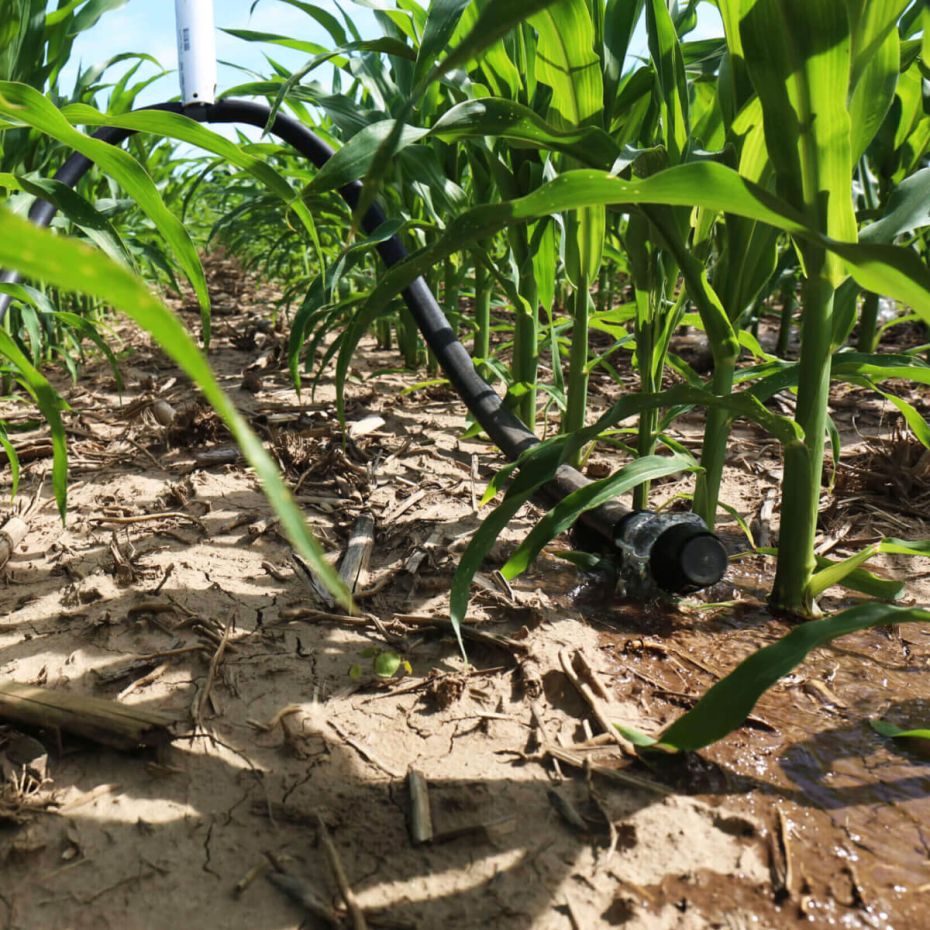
x=801, y=487
x=577, y=393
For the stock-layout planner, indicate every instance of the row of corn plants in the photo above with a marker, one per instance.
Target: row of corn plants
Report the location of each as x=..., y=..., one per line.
x=712, y=175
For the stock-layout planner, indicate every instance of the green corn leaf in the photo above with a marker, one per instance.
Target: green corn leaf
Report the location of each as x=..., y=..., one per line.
x=472, y=119
x=30, y=321
x=89, y=220
x=91, y=75
x=315, y=301
x=733, y=81
x=40, y=302
x=831, y=573
x=894, y=546
x=298, y=45
x=912, y=416
x=51, y=404
x=441, y=20
x=87, y=329
x=478, y=547
x=881, y=367
x=739, y=520
x=744, y=405
x=309, y=308
x=71, y=266
x=670, y=77
x=544, y=251
x=746, y=264
x=868, y=583
x=914, y=419
x=897, y=321
x=585, y=561
x=907, y=209
x=90, y=12
x=537, y=458
x=13, y=460
x=538, y=466
x=323, y=17
x=353, y=160
x=495, y=20
x=566, y=61
x=835, y=573
x=798, y=56
x=876, y=62
x=387, y=45
x=870, y=24
x=728, y=703
x=523, y=127
x=859, y=580
x=714, y=317
x=61, y=28
x=495, y=65
x=886, y=728
x=853, y=367
x=620, y=19
x=55, y=17
x=22, y=104
x=567, y=511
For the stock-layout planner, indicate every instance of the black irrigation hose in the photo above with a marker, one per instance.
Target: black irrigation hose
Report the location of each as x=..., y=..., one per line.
x=672, y=552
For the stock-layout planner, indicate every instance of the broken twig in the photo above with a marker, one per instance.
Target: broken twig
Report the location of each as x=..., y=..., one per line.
x=421, y=817
x=342, y=880
x=211, y=674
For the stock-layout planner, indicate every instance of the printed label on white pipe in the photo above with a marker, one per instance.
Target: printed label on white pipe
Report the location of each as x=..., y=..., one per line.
x=196, y=50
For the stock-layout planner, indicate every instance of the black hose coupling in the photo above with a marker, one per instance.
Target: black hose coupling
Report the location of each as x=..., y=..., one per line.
x=671, y=552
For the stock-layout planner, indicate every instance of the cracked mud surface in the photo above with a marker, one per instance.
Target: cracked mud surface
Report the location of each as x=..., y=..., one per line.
x=151, y=840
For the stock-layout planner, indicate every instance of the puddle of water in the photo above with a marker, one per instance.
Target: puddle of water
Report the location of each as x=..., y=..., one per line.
x=857, y=806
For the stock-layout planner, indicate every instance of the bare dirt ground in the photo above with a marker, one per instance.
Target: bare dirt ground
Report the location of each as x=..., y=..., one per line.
x=804, y=816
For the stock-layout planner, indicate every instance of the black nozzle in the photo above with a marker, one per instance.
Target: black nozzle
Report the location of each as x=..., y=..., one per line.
x=687, y=557
x=675, y=553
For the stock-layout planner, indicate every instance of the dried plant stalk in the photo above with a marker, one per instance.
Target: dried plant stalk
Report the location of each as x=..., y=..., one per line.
x=12, y=534
x=353, y=570
x=101, y=721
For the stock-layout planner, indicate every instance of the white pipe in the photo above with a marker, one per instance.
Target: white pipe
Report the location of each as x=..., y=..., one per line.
x=196, y=50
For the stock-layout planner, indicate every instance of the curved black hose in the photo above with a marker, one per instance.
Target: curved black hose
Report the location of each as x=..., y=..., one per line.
x=673, y=552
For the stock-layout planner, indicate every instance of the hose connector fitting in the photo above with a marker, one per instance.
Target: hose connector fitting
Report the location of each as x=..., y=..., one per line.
x=674, y=553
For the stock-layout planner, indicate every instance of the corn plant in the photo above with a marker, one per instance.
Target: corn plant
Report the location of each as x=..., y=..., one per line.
x=543, y=106
x=808, y=74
